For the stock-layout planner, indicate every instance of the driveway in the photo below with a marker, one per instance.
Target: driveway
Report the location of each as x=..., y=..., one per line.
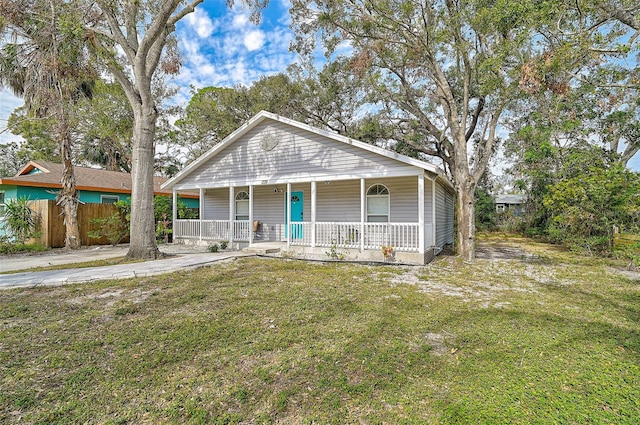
x=180, y=257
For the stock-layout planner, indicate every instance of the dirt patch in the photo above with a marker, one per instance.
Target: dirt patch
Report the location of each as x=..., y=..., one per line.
x=518, y=271
x=498, y=251
x=111, y=297
x=440, y=344
x=435, y=281
x=629, y=274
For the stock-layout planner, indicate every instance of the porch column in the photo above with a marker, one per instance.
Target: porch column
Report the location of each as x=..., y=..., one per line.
x=174, y=213
x=288, y=203
x=201, y=210
x=250, y=214
x=232, y=212
x=313, y=214
x=363, y=211
x=433, y=212
x=421, y=213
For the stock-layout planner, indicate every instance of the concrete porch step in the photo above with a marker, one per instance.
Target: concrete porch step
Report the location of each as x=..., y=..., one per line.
x=257, y=249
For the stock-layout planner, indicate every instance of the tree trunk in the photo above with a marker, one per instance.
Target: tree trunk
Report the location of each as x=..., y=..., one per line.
x=466, y=217
x=143, y=231
x=68, y=195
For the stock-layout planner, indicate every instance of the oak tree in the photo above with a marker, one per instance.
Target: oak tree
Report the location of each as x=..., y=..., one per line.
x=135, y=41
x=446, y=71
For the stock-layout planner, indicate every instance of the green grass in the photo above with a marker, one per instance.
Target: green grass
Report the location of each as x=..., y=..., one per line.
x=554, y=339
x=83, y=264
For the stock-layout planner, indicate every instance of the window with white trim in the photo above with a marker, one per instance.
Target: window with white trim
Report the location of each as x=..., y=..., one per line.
x=2, y=207
x=242, y=206
x=109, y=199
x=378, y=204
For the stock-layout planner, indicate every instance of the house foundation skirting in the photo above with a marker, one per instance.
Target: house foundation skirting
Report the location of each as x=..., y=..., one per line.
x=331, y=253
x=349, y=254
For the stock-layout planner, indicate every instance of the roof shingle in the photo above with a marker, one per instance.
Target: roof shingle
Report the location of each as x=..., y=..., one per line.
x=49, y=174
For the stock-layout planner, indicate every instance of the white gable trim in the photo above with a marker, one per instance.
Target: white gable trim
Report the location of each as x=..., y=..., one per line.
x=264, y=115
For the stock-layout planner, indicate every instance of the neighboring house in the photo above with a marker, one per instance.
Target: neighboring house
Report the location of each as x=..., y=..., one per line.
x=512, y=203
x=41, y=180
x=346, y=197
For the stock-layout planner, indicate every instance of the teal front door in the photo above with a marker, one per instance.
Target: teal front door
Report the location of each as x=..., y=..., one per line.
x=297, y=208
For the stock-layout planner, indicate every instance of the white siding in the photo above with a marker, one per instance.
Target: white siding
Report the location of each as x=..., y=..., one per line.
x=444, y=216
x=428, y=201
x=216, y=204
x=404, y=198
x=300, y=155
x=338, y=201
x=449, y=222
x=268, y=208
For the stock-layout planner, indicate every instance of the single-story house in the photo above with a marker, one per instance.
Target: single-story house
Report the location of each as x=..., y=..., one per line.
x=41, y=180
x=280, y=181
x=513, y=203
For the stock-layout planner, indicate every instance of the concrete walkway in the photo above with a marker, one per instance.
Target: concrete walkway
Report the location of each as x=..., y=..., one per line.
x=180, y=259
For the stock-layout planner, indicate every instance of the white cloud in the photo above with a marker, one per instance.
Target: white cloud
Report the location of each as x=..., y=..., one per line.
x=344, y=48
x=200, y=22
x=240, y=20
x=238, y=72
x=236, y=52
x=253, y=40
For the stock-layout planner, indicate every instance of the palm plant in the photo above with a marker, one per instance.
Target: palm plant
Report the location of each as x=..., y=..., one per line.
x=44, y=62
x=20, y=220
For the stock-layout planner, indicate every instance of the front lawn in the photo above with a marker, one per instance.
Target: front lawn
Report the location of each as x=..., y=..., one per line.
x=551, y=338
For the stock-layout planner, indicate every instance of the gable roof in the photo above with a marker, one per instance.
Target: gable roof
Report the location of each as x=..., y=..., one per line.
x=264, y=116
x=48, y=175
x=510, y=199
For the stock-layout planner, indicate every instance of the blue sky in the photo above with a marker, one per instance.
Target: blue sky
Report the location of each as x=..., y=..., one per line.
x=221, y=47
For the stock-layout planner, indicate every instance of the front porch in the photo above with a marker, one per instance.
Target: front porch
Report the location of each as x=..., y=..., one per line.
x=362, y=236
x=309, y=222
x=350, y=240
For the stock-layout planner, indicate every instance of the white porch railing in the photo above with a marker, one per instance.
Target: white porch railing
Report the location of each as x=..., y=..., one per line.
x=343, y=235
x=402, y=236
x=216, y=230
x=187, y=229
x=301, y=233
x=241, y=230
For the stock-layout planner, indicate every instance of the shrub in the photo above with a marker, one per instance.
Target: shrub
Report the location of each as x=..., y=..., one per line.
x=20, y=220
x=163, y=229
x=115, y=227
x=584, y=208
x=214, y=247
x=224, y=244
x=9, y=247
x=629, y=253
x=163, y=212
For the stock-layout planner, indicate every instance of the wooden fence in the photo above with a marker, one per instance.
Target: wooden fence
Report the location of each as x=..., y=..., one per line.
x=624, y=239
x=51, y=229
